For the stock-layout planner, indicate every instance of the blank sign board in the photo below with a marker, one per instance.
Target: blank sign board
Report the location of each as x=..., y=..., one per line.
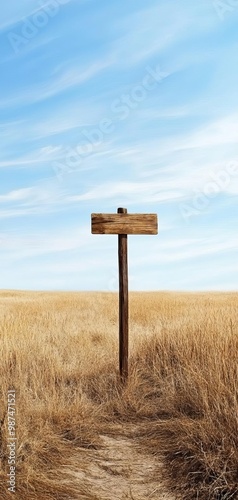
x=124, y=223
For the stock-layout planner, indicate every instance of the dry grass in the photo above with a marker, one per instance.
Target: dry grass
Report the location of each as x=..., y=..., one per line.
x=60, y=351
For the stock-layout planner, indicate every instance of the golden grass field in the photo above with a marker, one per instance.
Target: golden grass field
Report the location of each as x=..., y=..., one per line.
x=171, y=432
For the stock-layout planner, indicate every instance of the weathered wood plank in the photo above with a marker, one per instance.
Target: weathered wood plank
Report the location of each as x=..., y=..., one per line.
x=124, y=223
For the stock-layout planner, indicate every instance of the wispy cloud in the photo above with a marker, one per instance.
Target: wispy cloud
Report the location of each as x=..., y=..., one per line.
x=129, y=192
x=39, y=156
x=42, y=242
x=187, y=249
x=18, y=195
x=139, y=43
x=61, y=81
x=39, y=199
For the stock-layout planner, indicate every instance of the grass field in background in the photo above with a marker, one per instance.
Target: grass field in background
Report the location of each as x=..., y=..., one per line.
x=60, y=353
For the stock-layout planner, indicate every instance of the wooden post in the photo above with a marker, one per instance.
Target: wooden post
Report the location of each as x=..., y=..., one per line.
x=123, y=302
x=123, y=224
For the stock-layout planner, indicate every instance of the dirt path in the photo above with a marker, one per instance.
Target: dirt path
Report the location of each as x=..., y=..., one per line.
x=119, y=471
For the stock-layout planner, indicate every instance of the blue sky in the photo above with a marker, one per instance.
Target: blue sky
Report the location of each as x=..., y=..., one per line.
x=109, y=104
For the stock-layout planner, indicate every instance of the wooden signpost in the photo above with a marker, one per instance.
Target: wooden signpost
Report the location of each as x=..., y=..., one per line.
x=123, y=224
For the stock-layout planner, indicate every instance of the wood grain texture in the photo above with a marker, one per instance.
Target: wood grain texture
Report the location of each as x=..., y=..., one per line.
x=124, y=223
x=123, y=304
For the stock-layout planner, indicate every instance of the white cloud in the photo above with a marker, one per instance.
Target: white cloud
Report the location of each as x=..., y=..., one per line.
x=39, y=199
x=17, y=195
x=165, y=252
x=18, y=246
x=221, y=131
x=42, y=155
x=153, y=30
x=69, y=77
x=132, y=192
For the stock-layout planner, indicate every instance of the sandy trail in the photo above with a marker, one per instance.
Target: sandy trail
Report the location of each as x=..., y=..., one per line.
x=119, y=471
